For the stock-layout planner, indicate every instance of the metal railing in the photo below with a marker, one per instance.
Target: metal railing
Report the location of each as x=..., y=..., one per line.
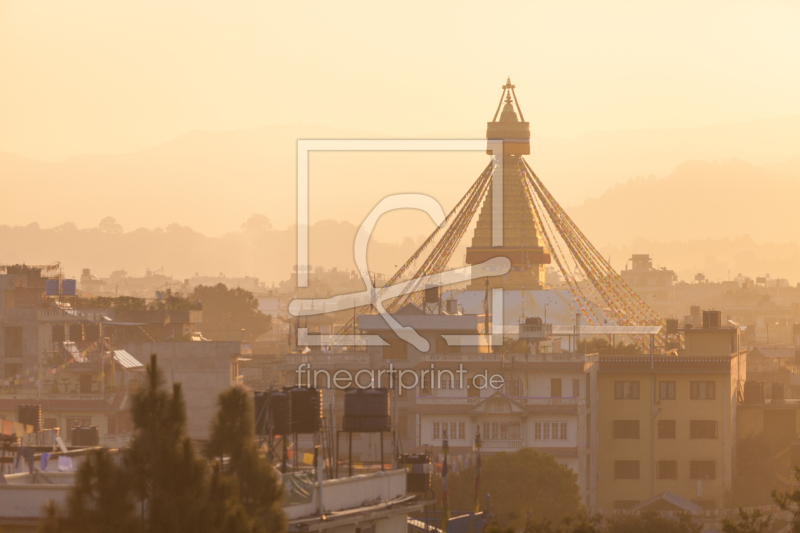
x=517, y=358
x=311, y=358
x=524, y=400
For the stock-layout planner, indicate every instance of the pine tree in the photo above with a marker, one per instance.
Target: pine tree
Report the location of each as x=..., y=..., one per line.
x=232, y=438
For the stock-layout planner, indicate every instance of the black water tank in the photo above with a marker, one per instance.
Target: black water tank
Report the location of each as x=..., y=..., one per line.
x=778, y=393
x=712, y=319
x=367, y=410
x=672, y=326
x=280, y=413
x=306, y=409
x=30, y=415
x=753, y=392
x=86, y=436
x=432, y=295
x=260, y=412
x=418, y=468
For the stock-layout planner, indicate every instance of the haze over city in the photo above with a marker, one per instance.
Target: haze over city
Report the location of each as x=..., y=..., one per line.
x=587, y=322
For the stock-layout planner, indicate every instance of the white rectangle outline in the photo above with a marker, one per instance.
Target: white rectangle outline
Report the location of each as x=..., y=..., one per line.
x=305, y=146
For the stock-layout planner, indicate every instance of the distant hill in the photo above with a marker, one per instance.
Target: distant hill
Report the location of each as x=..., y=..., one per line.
x=213, y=181
x=699, y=200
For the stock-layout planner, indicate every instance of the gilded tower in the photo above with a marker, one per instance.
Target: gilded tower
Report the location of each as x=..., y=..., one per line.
x=521, y=237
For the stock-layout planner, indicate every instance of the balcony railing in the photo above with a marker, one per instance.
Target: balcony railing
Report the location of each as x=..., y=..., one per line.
x=330, y=359
x=517, y=358
x=471, y=400
x=501, y=444
x=59, y=315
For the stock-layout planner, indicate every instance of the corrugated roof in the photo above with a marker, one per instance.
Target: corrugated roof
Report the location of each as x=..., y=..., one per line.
x=127, y=360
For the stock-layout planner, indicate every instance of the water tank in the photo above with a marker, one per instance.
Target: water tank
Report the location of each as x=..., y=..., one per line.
x=69, y=287
x=30, y=415
x=51, y=287
x=306, y=409
x=712, y=319
x=672, y=326
x=778, y=393
x=76, y=332
x=432, y=295
x=367, y=410
x=533, y=321
x=753, y=392
x=86, y=436
x=418, y=468
x=280, y=413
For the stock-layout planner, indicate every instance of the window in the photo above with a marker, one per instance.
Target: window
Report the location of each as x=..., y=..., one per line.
x=555, y=387
x=703, y=429
x=425, y=384
x=451, y=430
x=13, y=369
x=402, y=426
x=626, y=390
x=666, y=390
x=514, y=388
x=85, y=383
x=13, y=335
x=667, y=470
x=112, y=425
x=472, y=391
x=397, y=349
x=626, y=469
x=702, y=390
x=625, y=429
x=576, y=388
x=549, y=430
x=501, y=431
x=702, y=470
x=666, y=429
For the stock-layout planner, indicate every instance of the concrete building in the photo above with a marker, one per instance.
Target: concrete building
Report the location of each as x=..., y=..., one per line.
x=370, y=503
x=204, y=370
x=656, y=286
x=668, y=423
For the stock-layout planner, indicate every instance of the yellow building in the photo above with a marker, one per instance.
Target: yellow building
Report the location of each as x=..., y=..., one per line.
x=668, y=422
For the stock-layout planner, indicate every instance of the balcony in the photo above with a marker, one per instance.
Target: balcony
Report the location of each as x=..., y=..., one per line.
x=517, y=358
x=501, y=445
x=59, y=315
x=327, y=358
x=473, y=400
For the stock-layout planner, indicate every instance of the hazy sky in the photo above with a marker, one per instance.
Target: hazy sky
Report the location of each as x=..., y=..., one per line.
x=108, y=77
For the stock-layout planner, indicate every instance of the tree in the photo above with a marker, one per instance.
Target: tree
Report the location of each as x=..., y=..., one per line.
x=525, y=486
x=790, y=501
x=232, y=436
x=159, y=484
x=109, y=225
x=227, y=311
x=652, y=522
x=257, y=224
x=754, y=522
